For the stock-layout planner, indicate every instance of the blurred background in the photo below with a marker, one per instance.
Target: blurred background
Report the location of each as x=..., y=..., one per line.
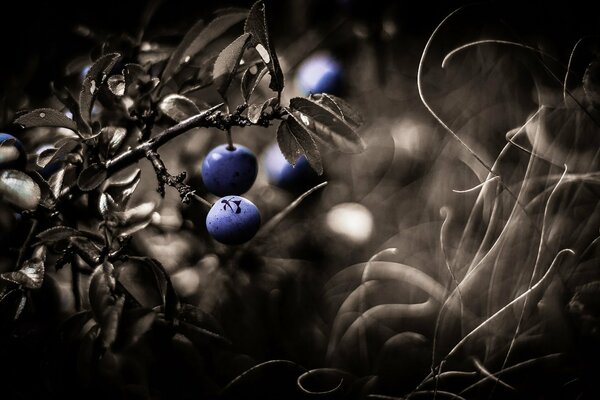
x=302, y=294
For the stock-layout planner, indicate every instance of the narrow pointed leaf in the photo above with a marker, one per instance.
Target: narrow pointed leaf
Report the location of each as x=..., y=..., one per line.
x=329, y=126
x=95, y=77
x=256, y=24
x=227, y=63
x=340, y=107
x=178, y=107
x=66, y=97
x=46, y=117
x=197, y=38
x=295, y=139
x=92, y=177
x=251, y=78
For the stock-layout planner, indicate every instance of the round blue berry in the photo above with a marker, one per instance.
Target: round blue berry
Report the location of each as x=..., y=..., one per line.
x=12, y=153
x=228, y=171
x=282, y=174
x=320, y=73
x=233, y=220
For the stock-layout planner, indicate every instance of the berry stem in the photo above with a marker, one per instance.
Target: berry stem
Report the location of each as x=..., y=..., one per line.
x=230, y=145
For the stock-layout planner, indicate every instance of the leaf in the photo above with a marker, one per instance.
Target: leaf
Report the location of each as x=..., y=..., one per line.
x=48, y=199
x=95, y=77
x=135, y=219
x=133, y=72
x=121, y=190
x=329, y=126
x=228, y=62
x=31, y=274
x=68, y=147
x=139, y=279
x=116, y=84
x=92, y=177
x=44, y=157
x=178, y=107
x=340, y=107
x=256, y=111
x=19, y=189
x=106, y=205
x=56, y=182
x=251, y=78
x=99, y=293
x=112, y=137
x=197, y=38
x=58, y=233
x=46, y=117
x=256, y=24
x=110, y=322
x=66, y=97
x=294, y=139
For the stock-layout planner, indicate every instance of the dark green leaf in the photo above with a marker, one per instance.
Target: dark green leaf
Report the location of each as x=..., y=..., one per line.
x=132, y=73
x=227, y=63
x=111, y=321
x=58, y=233
x=19, y=189
x=116, y=84
x=197, y=38
x=178, y=107
x=171, y=300
x=256, y=24
x=48, y=199
x=67, y=147
x=329, y=126
x=92, y=177
x=112, y=137
x=31, y=274
x=255, y=111
x=45, y=156
x=141, y=282
x=134, y=219
x=99, y=292
x=251, y=78
x=46, y=117
x=340, y=107
x=66, y=97
x=294, y=139
x=95, y=77
x=121, y=190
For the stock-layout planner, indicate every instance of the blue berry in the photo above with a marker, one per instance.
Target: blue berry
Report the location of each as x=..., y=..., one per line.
x=233, y=220
x=227, y=172
x=282, y=174
x=320, y=73
x=12, y=153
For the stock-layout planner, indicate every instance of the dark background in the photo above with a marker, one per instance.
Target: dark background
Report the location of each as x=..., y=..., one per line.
x=37, y=38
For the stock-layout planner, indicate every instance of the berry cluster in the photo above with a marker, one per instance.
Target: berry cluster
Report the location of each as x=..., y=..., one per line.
x=229, y=171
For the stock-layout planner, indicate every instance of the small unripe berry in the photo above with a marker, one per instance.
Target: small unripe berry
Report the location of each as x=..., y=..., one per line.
x=233, y=220
x=228, y=171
